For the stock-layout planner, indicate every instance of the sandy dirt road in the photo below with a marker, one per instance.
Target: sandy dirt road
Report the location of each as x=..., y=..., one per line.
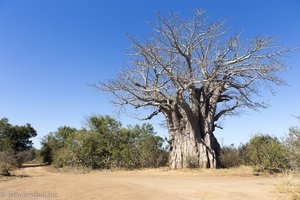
x=130, y=185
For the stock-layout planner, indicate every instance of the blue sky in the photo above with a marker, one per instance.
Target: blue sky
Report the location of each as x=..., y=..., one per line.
x=51, y=50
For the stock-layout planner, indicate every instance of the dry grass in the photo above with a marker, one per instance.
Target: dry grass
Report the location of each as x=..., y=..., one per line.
x=235, y=171
x=289, y=186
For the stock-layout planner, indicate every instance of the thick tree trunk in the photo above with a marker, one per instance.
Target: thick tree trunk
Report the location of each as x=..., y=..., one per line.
x=191, y=127
x=188, y=151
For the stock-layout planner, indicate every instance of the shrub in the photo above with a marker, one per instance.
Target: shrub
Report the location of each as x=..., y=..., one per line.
x=24, y=156
x=292, y=144
x=91, y=150
x=7, y=162
x=52, y=143
x=266, y=153
x=46, y=152
x=230, y=157
x=63, y=157
x=105, y=144
x=16, y=138
x=150, y=147
x=289, y=186
x=15, y=145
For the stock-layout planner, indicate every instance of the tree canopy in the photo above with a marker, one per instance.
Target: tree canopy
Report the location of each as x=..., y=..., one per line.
x=104, y=143
x=16, y=138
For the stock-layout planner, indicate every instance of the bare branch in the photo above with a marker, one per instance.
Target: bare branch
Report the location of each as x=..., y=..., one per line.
x=192, y=68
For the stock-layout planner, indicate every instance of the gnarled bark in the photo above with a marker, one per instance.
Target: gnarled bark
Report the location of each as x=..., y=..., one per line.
x=191, y=138
x=189, y=151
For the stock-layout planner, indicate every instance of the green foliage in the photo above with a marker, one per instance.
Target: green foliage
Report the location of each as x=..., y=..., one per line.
x=150, y=147
x=91, y=150
x=53, y=150
x=52, y=143
x=62, y=157
x=46, y=152
x=16, y=138
x=15, y=145
x=125, y=152
x=266, y=153
x=231, y=156
x=105, y=144
x=103, y=124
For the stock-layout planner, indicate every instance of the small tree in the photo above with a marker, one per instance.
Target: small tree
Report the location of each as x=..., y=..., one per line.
x=150, y=147
x=266, y=153
x=15, y=145
x=16, y=138
x=52, y=143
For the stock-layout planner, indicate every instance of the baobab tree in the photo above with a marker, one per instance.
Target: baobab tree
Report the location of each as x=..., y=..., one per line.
x=193, y=73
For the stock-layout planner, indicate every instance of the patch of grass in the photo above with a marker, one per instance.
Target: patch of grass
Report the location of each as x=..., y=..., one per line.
x=289, y=185
x=234, y=171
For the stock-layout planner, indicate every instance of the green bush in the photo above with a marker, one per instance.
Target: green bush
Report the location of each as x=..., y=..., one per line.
x=230, y=157
x=63, y=157
x=105, y=144
x=16, y=138
x=15, y=145
x=266, y=153
x=90, y=150
x=54, y=142
x=150, y=147
x=46, y=152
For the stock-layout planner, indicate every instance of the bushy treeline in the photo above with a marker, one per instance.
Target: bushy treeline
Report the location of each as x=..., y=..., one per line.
x=15, y=145
x=265, y=153
x=105, y=144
